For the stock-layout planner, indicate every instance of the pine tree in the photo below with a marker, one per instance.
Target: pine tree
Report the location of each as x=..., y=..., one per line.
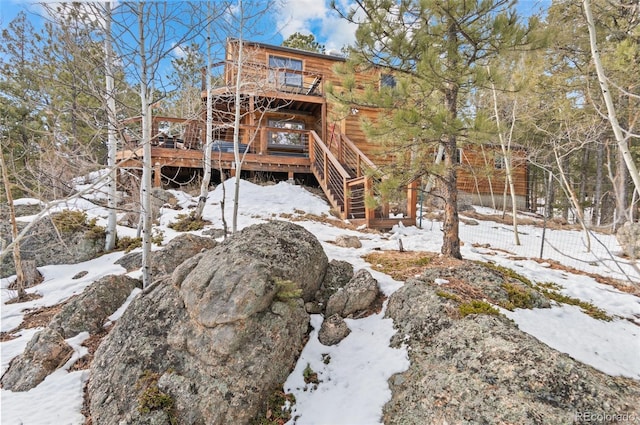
x=306, y=42
x=434, y=55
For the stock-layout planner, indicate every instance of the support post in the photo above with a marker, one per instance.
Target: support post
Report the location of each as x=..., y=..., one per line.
x=412, y=198
x=157, y=175
x=369, y=214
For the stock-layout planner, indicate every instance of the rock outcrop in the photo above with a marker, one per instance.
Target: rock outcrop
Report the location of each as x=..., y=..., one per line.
x=45, y=244
x=88, y=311
x=483, y=369
x=48, y=350
x=209, y=344
x=166, y=260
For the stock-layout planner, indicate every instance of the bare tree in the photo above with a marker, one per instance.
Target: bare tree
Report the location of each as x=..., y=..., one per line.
x=17, y=259
x=156, y=28
x=622, y=139
x=112, y=142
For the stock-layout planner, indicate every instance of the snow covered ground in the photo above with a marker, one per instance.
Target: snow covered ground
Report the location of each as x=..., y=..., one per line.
x=353, y=387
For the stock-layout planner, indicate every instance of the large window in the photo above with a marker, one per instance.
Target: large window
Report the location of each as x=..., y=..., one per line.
x=278, y=71
x=285, y=138
x=387, y=80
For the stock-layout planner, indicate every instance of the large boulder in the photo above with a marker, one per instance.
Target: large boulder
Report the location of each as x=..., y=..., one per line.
x=483, y=369
x=211, y=342
x=46, y=352
x=71, y=242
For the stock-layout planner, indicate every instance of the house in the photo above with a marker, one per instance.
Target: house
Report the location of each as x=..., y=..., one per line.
x=288, y=126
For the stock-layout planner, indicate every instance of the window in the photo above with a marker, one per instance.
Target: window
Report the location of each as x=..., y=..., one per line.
x=278, y=67
x=387, y=80
x=284, y=137
x=499, y=162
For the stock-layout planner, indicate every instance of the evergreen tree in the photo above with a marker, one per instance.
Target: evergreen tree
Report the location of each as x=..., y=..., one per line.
x=434, y=55
x=306, y=42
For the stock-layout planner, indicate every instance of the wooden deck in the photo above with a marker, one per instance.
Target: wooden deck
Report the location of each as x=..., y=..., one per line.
x=165, y=157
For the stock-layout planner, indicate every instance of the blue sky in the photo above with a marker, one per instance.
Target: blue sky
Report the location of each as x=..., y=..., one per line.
x=305, y=16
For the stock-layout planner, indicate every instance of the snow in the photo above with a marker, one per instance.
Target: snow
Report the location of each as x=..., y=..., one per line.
x=354, y=373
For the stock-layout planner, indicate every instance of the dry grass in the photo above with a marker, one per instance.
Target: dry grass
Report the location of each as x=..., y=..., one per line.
x=35, y=318
x=92, y=344
x=616, y=283
x=404, y=265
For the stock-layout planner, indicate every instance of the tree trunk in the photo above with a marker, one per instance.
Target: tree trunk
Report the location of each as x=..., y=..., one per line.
x=506, y=154
x=622, y=141
x=17, y=258
x=620, y=190
x=206, y=177
x=236, y=127
x=112, y=178
x=597, y=192
x=451, y=238
x=584, y=172
x=145, y=187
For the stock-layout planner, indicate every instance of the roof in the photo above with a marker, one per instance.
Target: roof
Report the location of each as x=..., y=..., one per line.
x=290, y=50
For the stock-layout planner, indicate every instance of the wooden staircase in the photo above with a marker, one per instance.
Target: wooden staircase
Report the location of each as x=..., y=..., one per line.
x=346, y=176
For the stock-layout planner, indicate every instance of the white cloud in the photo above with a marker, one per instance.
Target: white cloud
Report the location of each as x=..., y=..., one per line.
x=313, y=16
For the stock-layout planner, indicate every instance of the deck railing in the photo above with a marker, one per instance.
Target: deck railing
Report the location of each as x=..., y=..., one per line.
x=270, y=78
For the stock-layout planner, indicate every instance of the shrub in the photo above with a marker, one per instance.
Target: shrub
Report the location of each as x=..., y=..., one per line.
x=70, y=221
x=128, y=244
x=151, y=398
x=518, y=297
x=287, y=291
x=188, y=223
x=477, y=307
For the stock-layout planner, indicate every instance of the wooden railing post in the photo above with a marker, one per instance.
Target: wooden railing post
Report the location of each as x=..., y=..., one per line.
x=311, y=147
x=369, y=214
x=325, y=171
x=346, y=198
x=263, y=141
x=157, y=175
x=412, y=199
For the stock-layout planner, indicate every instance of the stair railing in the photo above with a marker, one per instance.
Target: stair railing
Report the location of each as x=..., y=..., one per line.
x=330, y=173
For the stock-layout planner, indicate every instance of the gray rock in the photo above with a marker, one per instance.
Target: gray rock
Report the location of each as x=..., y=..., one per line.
x=485, y=283
x=166, y=260
x=178, y=250
x=339, y=273
x=357, y=296
x=483, y=369
x=347, y=241
x=333, y=330
x=131, y=261
x=628, y=236
x=46, y=352
x=214, y=233
x=214, y=332
x=88, y=311
x=46, y=245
